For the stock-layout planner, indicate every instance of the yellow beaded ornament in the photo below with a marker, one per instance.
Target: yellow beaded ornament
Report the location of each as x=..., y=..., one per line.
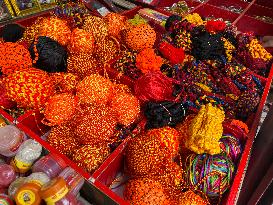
x=206, y=130
x=194, y=19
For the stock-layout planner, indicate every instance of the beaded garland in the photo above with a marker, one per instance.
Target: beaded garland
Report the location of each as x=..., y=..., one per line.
x=14, y=57
x=31, y=32
x=194, y=19
x=127, y=108
x=116, y=23
x=82, y=65
x=206, y=130
x=126, y=64
x=95, y=89
x=97, y=27
x=90, y=157
x=229, y=49
x=145, y=191
x=140, y=37
x=212, y=174
x=63, y=139
x=55, y=28
x=95, y=125
x=81, y=42
x=29, y=88
x=60, y=108
x=148, y=61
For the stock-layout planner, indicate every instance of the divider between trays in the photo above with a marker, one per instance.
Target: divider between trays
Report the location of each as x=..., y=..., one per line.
x=242, y=166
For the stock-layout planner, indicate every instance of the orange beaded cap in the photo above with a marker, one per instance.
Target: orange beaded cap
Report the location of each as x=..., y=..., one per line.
x=29, y=88
x=82, y=65
x=81, y=42
x=140, y=37
x=96, y=125
x=14, y=57
x=127, y=108
x=90, y=157
x=145, y=191
x=56, y=29
x=146, y=153
x=60, y=108
x=63, y=139
x=116, y=23
x=95, y=90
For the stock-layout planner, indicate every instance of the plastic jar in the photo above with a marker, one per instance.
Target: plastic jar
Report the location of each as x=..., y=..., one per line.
x=69, y=199
x=5, y=200
x=7, y=175
x=49, y=165
x=15, y=185
x=73, y=180
x=28, y=194
x=39, y=178
x=28, y=152
x=54, y=191
x=10, y=140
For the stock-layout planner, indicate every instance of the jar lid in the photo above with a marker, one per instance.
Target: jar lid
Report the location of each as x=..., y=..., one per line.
x=28, y=193
x=56, y=188
x=59, y=160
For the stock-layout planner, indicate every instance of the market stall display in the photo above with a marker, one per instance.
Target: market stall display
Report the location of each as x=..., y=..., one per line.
x=150, y=101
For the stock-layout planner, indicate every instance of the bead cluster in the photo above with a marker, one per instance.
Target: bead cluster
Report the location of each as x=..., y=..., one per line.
x=258, y=51
x=229, y=49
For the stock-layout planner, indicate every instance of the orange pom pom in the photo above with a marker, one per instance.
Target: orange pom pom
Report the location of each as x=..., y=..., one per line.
x=14, y=57
x=56, y=29
x=90, y=157
x=60, y=108
x=82, y=65
x=140, y=37
x=81, y=41
x=116, y=23
x=147, y=61
x=95, y=89
x=97, y=27
x=147, y=153
x=29, y=88
x=63, y=139
x=126, y=107
x=145, y=191
x=96, y=125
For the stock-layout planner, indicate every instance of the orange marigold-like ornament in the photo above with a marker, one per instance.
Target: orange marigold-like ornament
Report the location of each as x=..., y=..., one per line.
x=96, y=125
x=127, y=108
x=148, y=61
x=82, y=65
x=90, y=157
x=29, y=88
x=81, y=42
x=60, y=108
x=32, y=31
x=56, y=29
x=116, y=23
x=95, y=90
x=140, y=37
x=63, y=139
x=97, y=27
x=145, y=191
x=14, y=57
